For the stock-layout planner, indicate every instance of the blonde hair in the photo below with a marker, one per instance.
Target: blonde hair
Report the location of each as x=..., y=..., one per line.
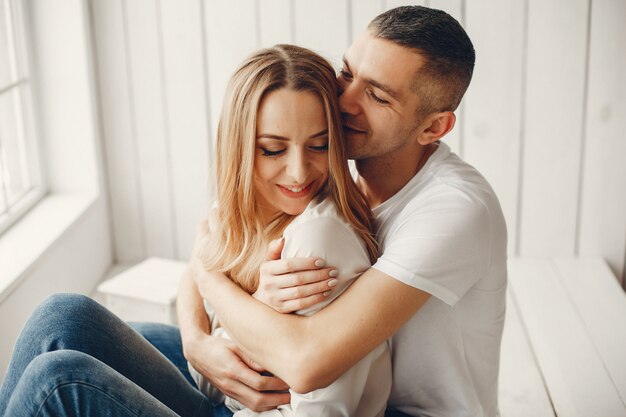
x=238, y=240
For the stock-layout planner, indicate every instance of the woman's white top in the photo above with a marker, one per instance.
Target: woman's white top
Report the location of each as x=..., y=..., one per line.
x=362, y=391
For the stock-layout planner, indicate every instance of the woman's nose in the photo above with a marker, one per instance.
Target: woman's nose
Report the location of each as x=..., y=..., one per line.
x=297, y=167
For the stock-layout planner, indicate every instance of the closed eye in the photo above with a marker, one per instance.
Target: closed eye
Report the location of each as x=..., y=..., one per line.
x=321, y=148
x=267, y=152
x=376, y=98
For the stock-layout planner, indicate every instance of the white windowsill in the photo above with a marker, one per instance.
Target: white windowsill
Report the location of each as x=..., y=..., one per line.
x=24, y=244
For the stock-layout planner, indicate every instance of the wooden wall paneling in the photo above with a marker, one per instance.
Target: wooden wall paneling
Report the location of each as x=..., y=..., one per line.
x=117, y=129
x=275, y=22
x=603, y=202
x=362, y=14
x=323, y=27
x=554, y=326
x=146, y=74
x=231, y=35
x=187, y=117
x=555, y=80
x=455, y=138
x=492, y=112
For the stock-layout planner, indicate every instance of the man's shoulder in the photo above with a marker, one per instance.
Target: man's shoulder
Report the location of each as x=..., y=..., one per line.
x=454, y=183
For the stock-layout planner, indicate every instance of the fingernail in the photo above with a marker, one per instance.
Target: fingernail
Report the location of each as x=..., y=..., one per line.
x=332, y=282
x=326, y=294
x=320, y=263
x=333, y=273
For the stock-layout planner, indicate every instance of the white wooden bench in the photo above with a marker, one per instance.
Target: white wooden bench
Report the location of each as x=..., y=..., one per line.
x=564, y=342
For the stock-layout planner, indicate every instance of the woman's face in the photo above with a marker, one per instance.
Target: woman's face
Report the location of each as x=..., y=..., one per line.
x=291, y=157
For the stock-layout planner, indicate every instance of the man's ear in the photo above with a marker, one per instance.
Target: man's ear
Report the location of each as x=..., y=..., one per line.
x=436, y=126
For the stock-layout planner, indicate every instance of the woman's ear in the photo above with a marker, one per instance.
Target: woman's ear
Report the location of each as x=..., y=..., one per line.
x=436, y=125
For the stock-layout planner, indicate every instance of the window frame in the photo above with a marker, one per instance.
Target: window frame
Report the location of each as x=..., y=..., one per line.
x=21, y=84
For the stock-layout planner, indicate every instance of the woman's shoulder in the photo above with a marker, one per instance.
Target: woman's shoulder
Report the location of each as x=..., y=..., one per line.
x=321, y=231
x=318, y=210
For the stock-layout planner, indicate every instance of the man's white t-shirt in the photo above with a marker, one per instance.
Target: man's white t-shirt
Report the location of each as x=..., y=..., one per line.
x=444, y=233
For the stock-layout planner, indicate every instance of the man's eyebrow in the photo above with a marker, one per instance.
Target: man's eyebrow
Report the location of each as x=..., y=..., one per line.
x=393, y=93
x=381, y=86
x=345, y=62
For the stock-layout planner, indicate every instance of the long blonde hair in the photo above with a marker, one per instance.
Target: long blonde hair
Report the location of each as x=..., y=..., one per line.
x=238, y=239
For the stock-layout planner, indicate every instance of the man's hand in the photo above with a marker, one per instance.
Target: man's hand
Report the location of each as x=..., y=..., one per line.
x=227, y=369
x=288, y=285
x=219, y=359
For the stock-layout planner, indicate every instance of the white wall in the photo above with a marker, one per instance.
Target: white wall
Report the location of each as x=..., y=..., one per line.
x=543, y=119
x=63, y=244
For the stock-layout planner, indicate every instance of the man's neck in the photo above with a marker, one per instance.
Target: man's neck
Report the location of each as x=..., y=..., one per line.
x=380, y=178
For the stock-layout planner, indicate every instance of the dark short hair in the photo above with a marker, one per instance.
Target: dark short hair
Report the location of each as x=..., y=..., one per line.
x=440, y=39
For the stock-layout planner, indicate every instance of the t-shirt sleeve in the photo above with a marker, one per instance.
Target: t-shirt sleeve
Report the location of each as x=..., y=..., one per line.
x=335, y=242
x=440, y=249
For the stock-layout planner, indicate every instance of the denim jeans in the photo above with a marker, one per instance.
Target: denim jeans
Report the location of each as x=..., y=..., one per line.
x=75, y=358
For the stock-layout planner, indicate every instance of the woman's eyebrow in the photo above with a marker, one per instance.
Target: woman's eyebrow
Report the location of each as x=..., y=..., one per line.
x=278, y=137
x=270, y=136
x=319, y=134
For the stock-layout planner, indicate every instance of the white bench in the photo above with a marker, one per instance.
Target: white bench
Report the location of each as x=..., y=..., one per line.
x=144, y=292
x=564, y=342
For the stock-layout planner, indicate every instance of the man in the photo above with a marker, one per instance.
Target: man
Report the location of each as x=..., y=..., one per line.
x=438, y=290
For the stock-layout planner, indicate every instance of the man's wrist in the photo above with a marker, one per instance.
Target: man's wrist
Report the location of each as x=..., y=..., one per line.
x=192, y=341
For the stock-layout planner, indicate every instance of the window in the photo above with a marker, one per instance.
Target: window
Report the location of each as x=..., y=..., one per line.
x=20, y=172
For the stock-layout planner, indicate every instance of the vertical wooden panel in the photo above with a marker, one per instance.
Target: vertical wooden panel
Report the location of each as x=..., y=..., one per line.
x=493, y=102
x=320, y=30
x=603, y=215
x=115, y=111
x=150, y=126
x=275, y=25
x=231, y=36
x=362, y=14
x=557, y=40
x=455, y=138
x=187, y=117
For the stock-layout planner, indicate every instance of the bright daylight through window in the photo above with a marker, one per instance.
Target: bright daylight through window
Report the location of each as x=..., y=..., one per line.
x=20, y=178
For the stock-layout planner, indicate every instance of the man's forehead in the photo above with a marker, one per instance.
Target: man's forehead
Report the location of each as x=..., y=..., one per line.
x=383, y=61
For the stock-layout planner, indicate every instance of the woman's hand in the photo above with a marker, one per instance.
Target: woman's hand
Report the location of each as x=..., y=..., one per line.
x=226, y=368
x=289, y=285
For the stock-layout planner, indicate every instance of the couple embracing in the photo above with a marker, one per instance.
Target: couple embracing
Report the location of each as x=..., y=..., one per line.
x=314, y=289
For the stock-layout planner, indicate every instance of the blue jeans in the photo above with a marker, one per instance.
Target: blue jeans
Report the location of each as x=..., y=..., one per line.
x=75, y=358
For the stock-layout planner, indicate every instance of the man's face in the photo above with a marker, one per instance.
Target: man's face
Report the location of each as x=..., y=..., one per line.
x=378, y=105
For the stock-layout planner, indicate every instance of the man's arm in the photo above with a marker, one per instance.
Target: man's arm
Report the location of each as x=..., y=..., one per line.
x=311, y=352
x=219, y=359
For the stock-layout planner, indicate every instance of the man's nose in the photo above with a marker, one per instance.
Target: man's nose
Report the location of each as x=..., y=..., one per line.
x=297, y=166
x=348, y=100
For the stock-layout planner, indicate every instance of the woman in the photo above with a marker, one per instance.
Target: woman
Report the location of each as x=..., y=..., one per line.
x=280, y=155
